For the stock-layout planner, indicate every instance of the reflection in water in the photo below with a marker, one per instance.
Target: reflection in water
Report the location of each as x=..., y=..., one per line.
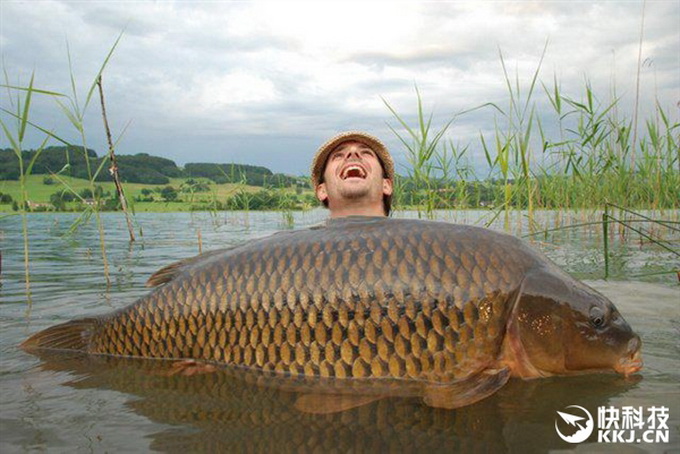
x=224, y=412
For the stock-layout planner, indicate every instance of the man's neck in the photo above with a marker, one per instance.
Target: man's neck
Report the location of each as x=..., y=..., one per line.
x=358, y=210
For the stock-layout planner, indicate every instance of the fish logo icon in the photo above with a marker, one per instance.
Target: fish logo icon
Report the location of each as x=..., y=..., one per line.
x=582, y=422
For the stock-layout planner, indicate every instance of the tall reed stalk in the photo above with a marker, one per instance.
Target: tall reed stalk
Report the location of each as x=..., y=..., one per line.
x=421, y=143
x=21, y=115
x=113, y=169
x=75, y=112
x=513, y=143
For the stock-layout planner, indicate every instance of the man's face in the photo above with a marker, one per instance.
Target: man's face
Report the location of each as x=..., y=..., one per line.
x=352, y=172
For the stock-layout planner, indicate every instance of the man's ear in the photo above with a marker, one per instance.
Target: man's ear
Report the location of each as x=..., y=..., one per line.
x=387, y=186
x=321, y=193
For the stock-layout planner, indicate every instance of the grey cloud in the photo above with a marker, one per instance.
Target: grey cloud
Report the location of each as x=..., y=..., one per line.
x=422, y=59
x=114, y=19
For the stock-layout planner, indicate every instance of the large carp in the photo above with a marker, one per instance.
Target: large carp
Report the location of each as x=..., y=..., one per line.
x=447, y=312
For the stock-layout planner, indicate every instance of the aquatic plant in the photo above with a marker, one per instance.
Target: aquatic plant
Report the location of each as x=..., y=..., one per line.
x=74, y=111
x=585, y=164
x=113, y=169
x=421, y=145
x=645, y=233
x=22, y=104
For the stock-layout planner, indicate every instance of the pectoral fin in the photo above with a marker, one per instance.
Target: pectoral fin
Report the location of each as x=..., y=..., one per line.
x=187, y=368
x=321, y=404
x=467, y=391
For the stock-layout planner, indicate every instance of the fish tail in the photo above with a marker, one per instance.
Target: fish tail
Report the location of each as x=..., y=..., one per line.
x=73, y=335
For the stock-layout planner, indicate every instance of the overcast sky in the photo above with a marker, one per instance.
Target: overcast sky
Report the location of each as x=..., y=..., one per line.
x=267, y=82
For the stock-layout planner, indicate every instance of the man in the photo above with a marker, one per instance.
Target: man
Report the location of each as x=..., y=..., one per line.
x=353, y=174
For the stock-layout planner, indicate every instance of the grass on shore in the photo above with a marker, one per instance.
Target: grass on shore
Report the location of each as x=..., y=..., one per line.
x=39, y=193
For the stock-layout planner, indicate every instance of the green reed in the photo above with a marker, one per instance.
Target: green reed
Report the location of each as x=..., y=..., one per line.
x=515, y=139
x=596, y=155
x=22, y=106
x=421, y=144
x=547, y=150
x=71, y=106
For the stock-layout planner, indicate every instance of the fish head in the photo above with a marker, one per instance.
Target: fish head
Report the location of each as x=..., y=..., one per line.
x=560, y=326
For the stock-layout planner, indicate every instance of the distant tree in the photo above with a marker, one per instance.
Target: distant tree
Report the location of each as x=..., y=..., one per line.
x=63, y=196
x=5, y=198
x=48, y=181
x=52, y=159
x=228, y=173
x=112, y=204
x=169, y=194
x=57, y=201
x=86, y=193
x=192, y=185
x=146, y=196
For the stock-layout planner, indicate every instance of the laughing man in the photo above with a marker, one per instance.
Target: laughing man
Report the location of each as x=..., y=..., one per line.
x=352, y=174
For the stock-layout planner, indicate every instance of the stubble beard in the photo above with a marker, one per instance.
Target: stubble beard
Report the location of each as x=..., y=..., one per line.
x=354, y=192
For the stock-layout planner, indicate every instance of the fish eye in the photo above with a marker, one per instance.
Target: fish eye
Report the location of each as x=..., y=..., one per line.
x=597, y=317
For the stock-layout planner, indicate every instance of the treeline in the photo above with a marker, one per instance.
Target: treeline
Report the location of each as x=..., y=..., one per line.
x=446, y=194
x=138, y=168
x=265, y=199
x=71, y=161
x=239, y=173
x=549, y=192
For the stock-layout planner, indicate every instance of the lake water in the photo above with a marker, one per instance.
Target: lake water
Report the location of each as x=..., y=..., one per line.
x=75, y=403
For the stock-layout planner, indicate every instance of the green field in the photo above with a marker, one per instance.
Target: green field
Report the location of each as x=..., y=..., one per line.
x=39, y=193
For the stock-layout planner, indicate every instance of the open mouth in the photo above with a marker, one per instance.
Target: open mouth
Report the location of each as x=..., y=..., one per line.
x=353, y=171
x=630, y=365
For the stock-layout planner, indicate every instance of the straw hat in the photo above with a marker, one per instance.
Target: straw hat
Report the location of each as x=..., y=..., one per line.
x=319, y=162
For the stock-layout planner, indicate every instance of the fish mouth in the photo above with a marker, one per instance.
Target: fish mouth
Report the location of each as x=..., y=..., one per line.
x=353, y=170
x=630, y=365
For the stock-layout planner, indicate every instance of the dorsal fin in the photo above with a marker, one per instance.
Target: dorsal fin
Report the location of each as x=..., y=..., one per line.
x=169, y=272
